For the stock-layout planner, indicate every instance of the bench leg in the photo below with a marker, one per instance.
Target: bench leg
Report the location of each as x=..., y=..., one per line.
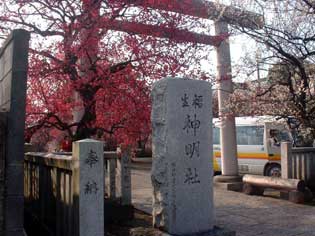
x=252, y=190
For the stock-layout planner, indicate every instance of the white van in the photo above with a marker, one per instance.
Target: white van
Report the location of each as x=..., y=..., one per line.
x=258, y=145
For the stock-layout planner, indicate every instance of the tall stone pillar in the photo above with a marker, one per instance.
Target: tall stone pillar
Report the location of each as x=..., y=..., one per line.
x=229, y=164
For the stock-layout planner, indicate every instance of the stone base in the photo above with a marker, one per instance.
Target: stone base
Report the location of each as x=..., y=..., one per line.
x=284, y=195
x=33, y=226
x=227, y=178
x=115, y=212
x=227, y=182
x=253, y=190
x=236, y=187
x=296, y=196
x=155, y=232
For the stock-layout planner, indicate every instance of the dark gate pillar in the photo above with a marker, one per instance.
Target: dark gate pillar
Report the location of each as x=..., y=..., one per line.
x=3, y=129
x=13, y=76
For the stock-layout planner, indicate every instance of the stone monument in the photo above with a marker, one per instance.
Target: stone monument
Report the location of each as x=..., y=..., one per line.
x=182, y=156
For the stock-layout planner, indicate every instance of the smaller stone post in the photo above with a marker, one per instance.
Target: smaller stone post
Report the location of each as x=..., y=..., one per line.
x=124, y=172
x=88, y=187
x=286, y=160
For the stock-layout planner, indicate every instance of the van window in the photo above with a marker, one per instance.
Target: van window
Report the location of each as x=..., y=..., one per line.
x=216, y=135
x=250, y=135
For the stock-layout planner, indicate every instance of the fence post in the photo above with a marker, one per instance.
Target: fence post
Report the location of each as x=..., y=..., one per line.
x=112, y=178
x=88, y=187
x=286, y=160
x=125, y=176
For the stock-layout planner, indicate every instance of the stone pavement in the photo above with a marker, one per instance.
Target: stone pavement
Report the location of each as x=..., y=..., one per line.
x=247, y=215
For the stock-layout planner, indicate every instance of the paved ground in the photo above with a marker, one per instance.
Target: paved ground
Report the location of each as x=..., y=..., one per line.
x=247, y=215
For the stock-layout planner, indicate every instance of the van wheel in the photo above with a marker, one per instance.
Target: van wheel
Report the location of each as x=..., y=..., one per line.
x=273, y=170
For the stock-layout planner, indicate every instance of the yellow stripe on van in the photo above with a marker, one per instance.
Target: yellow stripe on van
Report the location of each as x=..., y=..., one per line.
x=252, y=155
x=275, y=157
x=216, y=166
